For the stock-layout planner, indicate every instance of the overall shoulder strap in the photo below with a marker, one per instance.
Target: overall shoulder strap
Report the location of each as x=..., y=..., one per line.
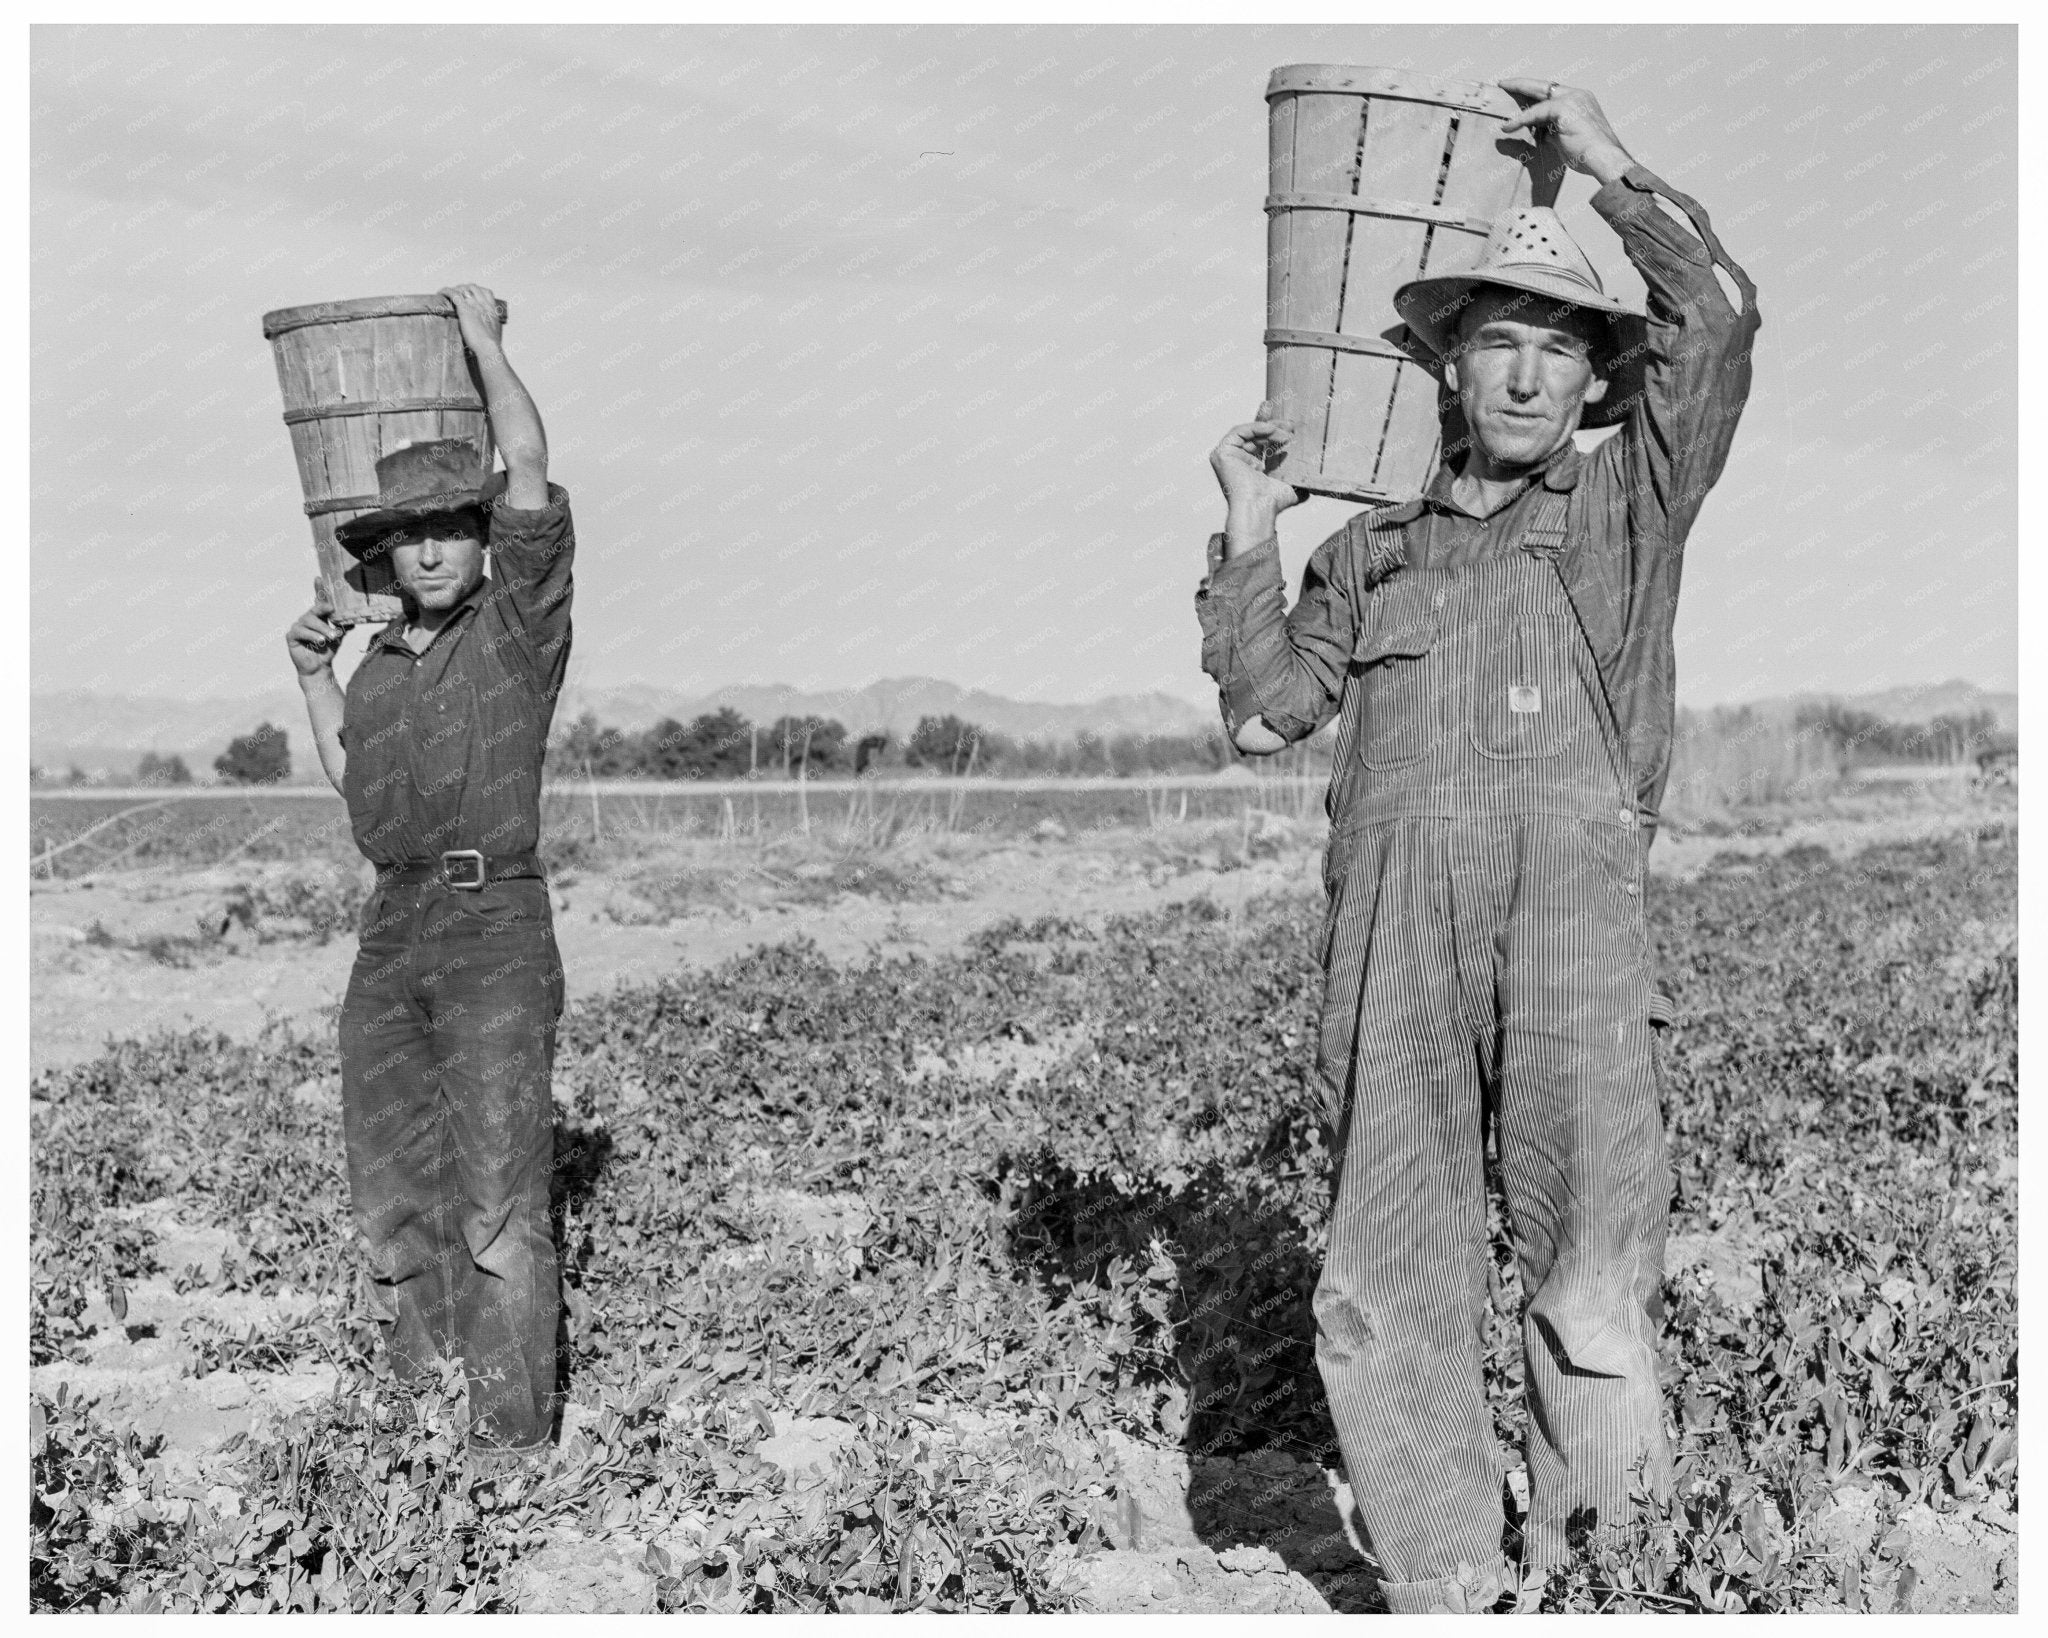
x=1546, y=537
x=1379, y=548
x=1382, y=544
x=1545, y=532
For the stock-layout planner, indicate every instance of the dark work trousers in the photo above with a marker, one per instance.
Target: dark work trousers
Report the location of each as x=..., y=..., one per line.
x=447, y=1045
x=1488, y=967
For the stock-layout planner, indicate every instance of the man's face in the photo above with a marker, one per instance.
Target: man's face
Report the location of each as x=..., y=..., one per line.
x=437, y=563
x=1524, y=374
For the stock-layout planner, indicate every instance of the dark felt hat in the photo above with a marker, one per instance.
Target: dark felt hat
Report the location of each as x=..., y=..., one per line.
x=439, y=478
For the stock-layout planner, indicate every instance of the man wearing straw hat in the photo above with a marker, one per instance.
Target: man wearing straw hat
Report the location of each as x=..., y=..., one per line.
x=1498, y=656
x=448, y=1027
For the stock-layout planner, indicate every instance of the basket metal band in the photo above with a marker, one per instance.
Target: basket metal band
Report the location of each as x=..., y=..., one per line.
x=1333, y=342
x=1467, y=96
x=1321, y=483
x=1438, y=215
x=381, y=406
x=285, y=319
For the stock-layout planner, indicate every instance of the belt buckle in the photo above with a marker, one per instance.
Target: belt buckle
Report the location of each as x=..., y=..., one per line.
x=462, y=858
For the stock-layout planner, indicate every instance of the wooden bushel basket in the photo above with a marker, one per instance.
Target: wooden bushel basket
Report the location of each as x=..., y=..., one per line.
x=1379, y=176
x=361, y=379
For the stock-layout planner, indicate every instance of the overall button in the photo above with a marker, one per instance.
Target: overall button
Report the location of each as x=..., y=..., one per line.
x=1630, y=888
x=1628, y=816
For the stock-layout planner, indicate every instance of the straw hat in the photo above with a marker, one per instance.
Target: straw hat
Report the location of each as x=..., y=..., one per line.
x=424, y=480
x=1530, y=251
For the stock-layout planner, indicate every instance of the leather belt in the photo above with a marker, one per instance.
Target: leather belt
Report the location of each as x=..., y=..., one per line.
x=462, y=867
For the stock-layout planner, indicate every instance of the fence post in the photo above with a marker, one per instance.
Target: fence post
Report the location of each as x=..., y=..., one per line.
x=803, y=768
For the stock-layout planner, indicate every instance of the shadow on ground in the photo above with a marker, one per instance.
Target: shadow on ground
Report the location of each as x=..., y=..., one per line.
x=1244, y=1509
x=581, y=1154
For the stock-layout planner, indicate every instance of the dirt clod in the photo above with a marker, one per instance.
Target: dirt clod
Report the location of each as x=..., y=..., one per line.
x=807, y=1448
x=574, y=1576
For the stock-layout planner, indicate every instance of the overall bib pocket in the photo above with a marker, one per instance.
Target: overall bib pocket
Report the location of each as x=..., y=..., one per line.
x=1519, y=708
x=1398, y=719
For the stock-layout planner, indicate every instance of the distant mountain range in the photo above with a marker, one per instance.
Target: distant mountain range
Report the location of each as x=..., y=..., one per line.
x=110, y=732
x=1923, y=702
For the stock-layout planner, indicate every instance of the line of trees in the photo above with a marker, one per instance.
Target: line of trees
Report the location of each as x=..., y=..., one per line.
x=1865, y=738
x=719, y=744
x=165, y=770
x=260, y=757
x=723, y=744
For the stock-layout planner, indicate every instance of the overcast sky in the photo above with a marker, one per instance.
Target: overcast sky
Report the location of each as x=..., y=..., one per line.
x=873, y=352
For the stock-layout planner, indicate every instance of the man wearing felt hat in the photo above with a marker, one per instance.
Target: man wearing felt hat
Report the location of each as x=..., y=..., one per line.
x=448, y=1026
x=1497, y=655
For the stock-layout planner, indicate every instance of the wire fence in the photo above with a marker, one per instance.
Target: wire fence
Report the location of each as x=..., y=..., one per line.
x=79, y=833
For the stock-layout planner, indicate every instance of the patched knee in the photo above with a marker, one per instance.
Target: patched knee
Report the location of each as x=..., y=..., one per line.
x=1346, y=1329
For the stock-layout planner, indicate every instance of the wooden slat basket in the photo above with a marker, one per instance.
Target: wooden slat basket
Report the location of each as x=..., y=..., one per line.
x=1378, y=176
x=361, y=379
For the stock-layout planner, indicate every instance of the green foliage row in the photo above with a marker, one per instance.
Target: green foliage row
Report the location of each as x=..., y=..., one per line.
x=1124, y=1240
x=162, y=770
x=1734, y=756
x=723, y=744
x=1864, y=736
x=262, y=756
x=719, y=744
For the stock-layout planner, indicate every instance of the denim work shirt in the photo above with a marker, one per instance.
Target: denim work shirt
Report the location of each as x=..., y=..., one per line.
x=445, y=746
x=1632, y=502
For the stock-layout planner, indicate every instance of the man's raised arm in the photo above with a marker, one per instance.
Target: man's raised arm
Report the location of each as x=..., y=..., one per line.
x=1280, y=674
x=1696, y=372
x=515, y=420
x=531, y=537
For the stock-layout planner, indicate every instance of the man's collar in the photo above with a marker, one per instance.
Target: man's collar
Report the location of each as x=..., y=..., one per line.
x=1560, y=473
x=1406, y=511
x=393, y=634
